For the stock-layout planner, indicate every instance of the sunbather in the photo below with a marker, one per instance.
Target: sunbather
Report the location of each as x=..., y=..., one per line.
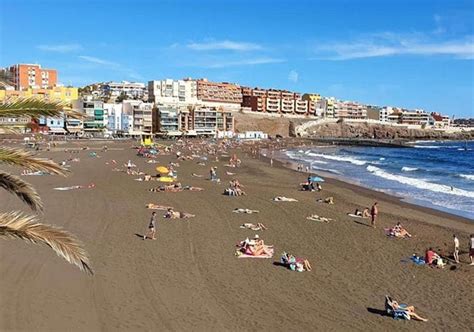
x=295, y=263
x=366, y=213
x=248, y=211
x=171, y=214
x=399, y=231
x=152, y=206
x=433, y=259
x=284, y=199
x=196, y=175
x=393, y=307
x=315, y=217
x=254, y=227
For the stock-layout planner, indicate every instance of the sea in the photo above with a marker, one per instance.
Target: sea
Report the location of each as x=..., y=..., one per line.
x=434, y=174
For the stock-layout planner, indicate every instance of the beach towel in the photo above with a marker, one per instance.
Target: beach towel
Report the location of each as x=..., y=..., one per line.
x=315, y=217
x=242, y=255
x=417, y=260
x=355, y=216
x=152, y=206
x=90, y=186
x=284, y=199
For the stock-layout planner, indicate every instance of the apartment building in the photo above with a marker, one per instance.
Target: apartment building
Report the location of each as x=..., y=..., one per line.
x=118, y=122
x=173, y=91
x=94, y=119
x=414, y=117
x=273, y=101
x=134, y=90
x=58, y=93
x=31, y=76
x=227, y=95
x=439, y=121
x=349, y=110
x=141, y=114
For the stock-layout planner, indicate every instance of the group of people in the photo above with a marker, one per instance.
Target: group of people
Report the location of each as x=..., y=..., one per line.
x=254, y=247
x=235, y=188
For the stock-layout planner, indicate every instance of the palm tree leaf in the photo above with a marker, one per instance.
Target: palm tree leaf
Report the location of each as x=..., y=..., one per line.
x=36, y=107
x=26, y=227
x=22, y=158
x=22, y=190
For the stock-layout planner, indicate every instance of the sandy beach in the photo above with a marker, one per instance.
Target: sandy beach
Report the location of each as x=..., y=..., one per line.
x=190, y=279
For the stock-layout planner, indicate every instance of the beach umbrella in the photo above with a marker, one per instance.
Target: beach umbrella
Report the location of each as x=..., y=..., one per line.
x=317, y=179
x=162, y=169
x=165, y=179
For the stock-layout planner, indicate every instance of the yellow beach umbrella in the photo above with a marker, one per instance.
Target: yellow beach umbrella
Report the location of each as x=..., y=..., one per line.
x=162, y=169
x=165, y=179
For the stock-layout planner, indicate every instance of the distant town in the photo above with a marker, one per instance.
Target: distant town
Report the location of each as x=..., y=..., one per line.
x=189, y=107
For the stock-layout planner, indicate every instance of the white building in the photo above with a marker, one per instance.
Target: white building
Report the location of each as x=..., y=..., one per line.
x=254, y=135
x=130, y=89
x=171, y=91
x=141, y=116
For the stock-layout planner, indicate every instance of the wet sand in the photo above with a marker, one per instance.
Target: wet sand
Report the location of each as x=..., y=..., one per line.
x=189, y=279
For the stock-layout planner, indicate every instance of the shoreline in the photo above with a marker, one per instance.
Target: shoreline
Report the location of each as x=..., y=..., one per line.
x=190, y=277
x=341, y=182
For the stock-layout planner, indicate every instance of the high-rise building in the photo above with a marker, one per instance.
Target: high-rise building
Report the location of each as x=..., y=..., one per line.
x=26, y=76
x=273, y=101
x=173, y=91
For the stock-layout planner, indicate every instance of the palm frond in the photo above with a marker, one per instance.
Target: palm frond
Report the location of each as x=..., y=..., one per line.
x=22, y=190
x=22, y=158
x=36, y=107
x=26, y=227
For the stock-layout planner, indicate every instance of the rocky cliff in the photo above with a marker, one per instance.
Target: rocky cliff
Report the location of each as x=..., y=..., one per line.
x=365, y=130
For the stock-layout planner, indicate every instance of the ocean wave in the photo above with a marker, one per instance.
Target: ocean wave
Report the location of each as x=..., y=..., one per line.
x=420, y=184
x=409, y=169
x=327, y=170
x=437, y=146
x=467, y=176
x=337, y=158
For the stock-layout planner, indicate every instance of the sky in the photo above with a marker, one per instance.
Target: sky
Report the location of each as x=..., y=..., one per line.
x=405, y=53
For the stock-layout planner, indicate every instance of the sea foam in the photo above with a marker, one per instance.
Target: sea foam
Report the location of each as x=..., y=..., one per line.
x=409, y=169
x=338, y=158
x=420, y=184
x=467, y=176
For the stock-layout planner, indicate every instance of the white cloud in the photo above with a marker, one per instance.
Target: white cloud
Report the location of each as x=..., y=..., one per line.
x=293, y=76
x=60, y=48
x=97, y=60
x=390, y=44
x=227, y=45
x=244, y=62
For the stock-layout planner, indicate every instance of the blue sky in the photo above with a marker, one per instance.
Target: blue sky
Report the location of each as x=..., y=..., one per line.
x=404, y=53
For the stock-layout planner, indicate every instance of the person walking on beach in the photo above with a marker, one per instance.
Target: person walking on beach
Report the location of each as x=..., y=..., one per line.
x=471, y=249
x=456, y=248
x=373, y=213
x=151, y=227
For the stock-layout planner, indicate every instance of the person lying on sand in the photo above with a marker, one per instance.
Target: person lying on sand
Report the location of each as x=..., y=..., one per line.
x=410, y=310
x=399, y=231
x=197, y=175
x=230, y=173
x=152, y=206
x=358, y=213
x=315, y=217
x=171, y=214
x=327, y=200
x=295, y=263
x=170, y=188
x=259, y=226
x=284, y=199
x=255, y=247
x=248, y=211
